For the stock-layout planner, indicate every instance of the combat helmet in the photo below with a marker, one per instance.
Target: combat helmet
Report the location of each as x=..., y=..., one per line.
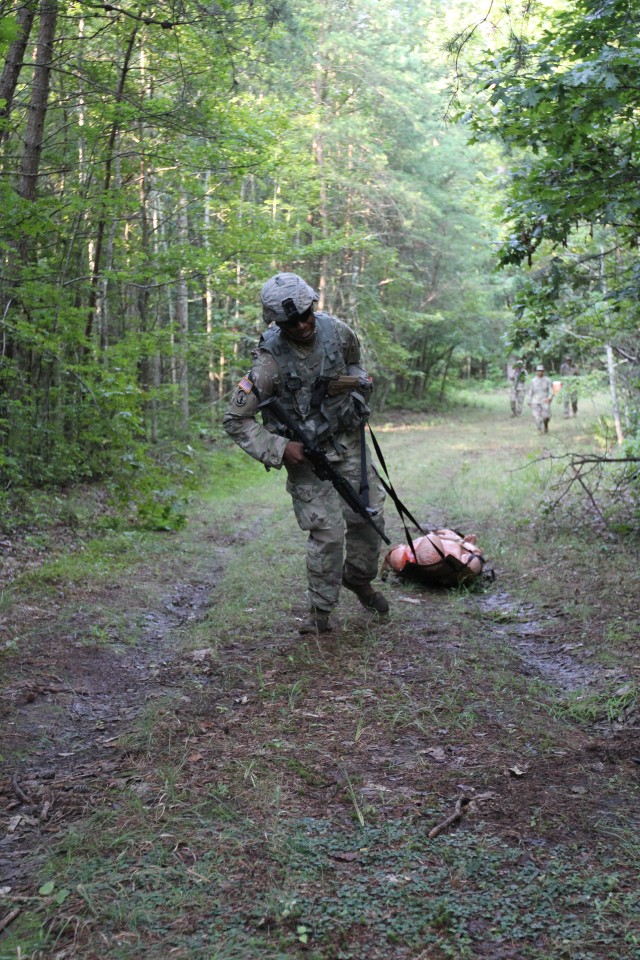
x=286, y=296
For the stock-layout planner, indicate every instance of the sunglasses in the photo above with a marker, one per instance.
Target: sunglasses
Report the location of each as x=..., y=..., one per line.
x=294, y=320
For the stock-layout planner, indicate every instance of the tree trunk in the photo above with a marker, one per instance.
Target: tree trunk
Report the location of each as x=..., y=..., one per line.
x=611, y=364
x=30, y=163
x=319, y=86
x=208, y=302
x=97, y=262
x=182, y=318
x=445, y=373
x=613, y=388
x=13, y=64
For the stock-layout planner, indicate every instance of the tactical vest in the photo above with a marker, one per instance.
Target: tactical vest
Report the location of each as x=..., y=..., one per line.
x=320, y=417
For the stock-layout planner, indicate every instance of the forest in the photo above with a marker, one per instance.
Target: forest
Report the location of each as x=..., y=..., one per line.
x=185, y=773
x=158, y=166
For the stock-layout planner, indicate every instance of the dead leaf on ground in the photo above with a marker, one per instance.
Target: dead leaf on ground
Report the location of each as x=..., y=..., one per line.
x=202, y=654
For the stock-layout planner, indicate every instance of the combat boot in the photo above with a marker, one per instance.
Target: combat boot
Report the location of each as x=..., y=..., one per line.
x=316, y=622
x=546, y=426
x=368, y=597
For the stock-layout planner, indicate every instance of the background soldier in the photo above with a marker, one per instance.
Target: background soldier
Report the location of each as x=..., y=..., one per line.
x=568, y=371
x=518, y=382
x=540, y=396
x=296, y=359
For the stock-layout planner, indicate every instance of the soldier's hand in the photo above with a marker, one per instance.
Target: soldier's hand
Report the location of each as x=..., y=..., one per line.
x=294, y=453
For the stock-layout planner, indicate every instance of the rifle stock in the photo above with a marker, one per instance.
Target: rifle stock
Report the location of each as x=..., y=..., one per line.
x=323, y=468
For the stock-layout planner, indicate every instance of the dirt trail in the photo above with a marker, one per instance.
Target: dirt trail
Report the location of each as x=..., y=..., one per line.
x=67, y=706
x=320, y=752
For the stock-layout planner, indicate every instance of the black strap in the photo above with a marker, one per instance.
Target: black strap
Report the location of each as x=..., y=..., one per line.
x=403, y=511
x=364, y=479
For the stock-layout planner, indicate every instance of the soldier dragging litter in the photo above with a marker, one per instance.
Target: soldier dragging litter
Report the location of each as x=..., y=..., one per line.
x=540, y=395
x=311, y=391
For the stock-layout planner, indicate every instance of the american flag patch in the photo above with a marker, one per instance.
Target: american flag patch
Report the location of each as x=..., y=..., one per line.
x=246, y=385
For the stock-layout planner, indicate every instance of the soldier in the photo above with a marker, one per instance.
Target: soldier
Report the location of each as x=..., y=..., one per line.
x=568, y=371
x=297, y=354
x=540, y=396
x=517, y=377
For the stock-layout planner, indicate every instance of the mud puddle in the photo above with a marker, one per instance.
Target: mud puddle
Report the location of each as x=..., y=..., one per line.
x=541, y=641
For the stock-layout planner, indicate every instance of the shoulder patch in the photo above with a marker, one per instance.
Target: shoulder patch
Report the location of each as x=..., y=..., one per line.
x=246, y=385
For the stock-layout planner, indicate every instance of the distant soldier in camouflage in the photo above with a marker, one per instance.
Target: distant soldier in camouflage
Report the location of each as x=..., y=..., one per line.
x=568, y=371
x=517, y=378
x=540, y=395
x=301, y=359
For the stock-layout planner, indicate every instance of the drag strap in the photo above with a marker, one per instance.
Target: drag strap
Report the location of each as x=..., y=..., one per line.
x=364, y=479
x=403, y=511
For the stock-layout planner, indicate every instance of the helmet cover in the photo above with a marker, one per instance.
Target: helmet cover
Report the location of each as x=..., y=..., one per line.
x=289, y=287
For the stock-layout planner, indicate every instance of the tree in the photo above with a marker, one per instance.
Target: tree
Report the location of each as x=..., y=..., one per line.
x=183, y=154
x=564, y=104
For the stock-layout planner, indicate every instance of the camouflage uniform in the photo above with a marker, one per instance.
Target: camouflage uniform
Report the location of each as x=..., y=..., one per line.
x=341, y=545
x=516, y=396
x=568, y=371
x=540, y=396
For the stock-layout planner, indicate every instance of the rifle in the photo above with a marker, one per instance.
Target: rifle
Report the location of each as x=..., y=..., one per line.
x=332, y=386
x=323, y=468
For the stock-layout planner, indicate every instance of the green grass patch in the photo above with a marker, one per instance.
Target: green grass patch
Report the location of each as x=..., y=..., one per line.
x=358, y=892
x=611, y=706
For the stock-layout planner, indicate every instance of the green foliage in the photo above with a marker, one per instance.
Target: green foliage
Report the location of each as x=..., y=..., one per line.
x=563, y=103
x=557, y=91
x=174, y=175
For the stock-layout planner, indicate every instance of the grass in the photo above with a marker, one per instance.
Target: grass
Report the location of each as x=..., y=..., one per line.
x=362, y=891
x=279, y=794
x=612, y=706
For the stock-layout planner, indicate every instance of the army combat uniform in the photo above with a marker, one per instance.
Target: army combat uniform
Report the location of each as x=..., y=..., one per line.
x=342, y=548
x=540, y=396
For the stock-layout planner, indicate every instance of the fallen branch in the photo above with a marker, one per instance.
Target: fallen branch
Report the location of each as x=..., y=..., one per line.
x=463, y=804
x=10, y=917
x=579, y=458
x=588, y=493
x=461, y=808
x=589, y=472
x=20, y=794
x=576, y=459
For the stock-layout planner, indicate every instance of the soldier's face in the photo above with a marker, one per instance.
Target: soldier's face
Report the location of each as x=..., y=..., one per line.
x=300, y=330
